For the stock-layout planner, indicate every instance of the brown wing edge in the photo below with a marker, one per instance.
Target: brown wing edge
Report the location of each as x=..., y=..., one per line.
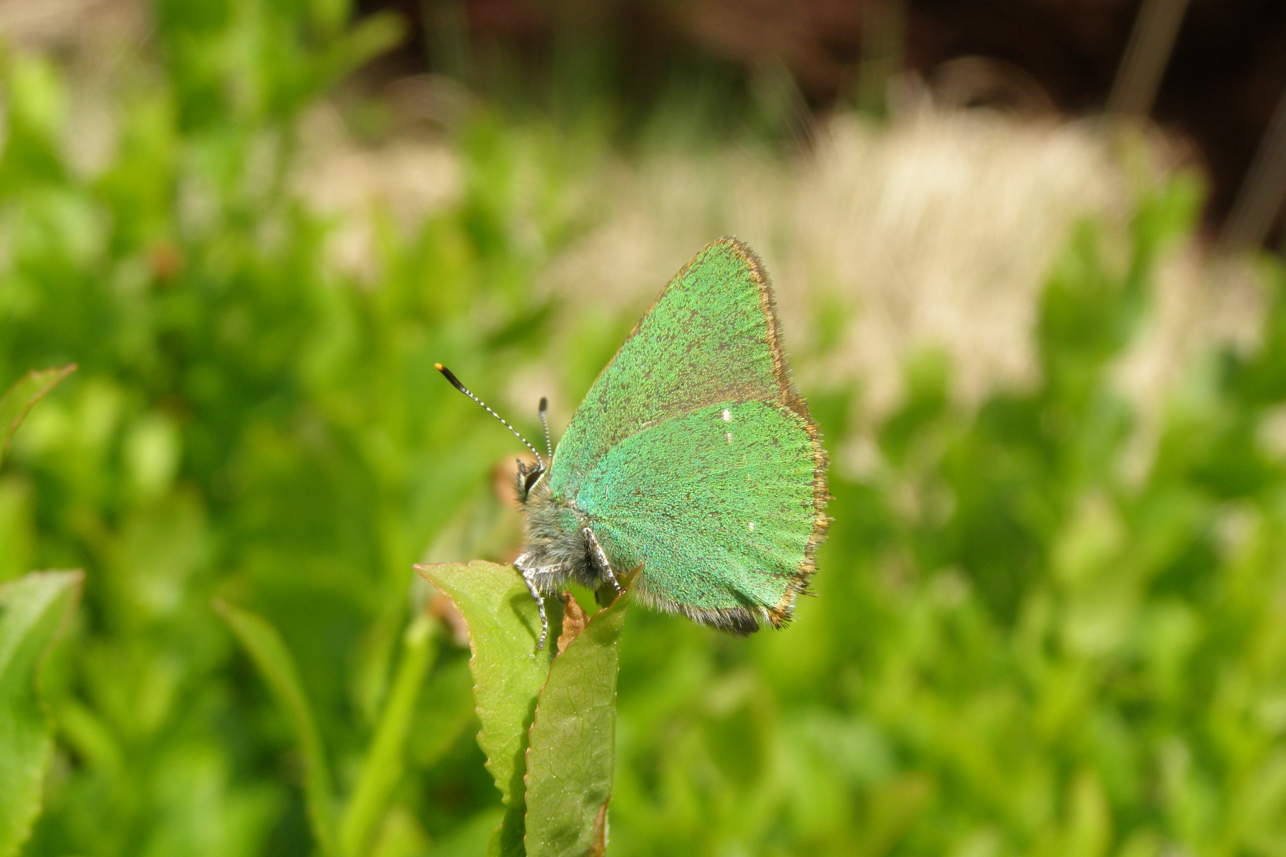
x=742, y=621
x=779, y=615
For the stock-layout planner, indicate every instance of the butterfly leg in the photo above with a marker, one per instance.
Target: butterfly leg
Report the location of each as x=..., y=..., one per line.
x=529, y=578
x=600, y=558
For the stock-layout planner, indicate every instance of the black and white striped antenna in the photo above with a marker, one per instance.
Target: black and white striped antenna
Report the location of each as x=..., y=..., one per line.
x=455, y=382
x=544, y=423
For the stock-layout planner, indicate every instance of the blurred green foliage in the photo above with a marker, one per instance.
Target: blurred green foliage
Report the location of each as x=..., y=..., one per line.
x=1020, y=646
x=32, y=610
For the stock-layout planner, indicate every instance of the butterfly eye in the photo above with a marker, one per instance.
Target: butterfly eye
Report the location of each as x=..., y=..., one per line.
x=527, y=479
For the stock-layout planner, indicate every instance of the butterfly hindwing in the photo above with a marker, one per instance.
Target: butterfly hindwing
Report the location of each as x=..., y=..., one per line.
x=718, y=507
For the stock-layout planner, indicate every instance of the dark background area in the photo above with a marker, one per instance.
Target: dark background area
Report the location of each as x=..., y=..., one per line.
x=1225, y=76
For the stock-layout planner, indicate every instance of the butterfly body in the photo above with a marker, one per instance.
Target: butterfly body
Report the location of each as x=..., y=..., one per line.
x=692, y=458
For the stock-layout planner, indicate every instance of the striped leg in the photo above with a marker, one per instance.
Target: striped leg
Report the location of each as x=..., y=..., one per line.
x=604, y=567
x=529, y=577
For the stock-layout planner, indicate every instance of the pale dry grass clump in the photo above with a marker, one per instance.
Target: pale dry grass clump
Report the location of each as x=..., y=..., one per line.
x=936, y=230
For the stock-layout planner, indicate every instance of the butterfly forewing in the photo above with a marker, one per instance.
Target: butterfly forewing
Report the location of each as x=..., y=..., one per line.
x=710, y=337
x=694, y=456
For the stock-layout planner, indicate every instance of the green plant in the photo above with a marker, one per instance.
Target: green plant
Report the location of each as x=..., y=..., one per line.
x=548, y=726
x=1020, y=644
x=32, y=610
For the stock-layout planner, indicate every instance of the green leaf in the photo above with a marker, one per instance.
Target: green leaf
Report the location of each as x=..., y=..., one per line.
x=572, y=747
x=19, y=398
x=32, y=609
x=270, y=655
x=508, y=672
x=383, y=765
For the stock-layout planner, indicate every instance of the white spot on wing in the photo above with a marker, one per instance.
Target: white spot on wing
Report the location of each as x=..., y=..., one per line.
x=727, y=415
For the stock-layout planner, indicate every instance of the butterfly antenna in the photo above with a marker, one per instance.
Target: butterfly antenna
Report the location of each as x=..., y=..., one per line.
x=544, y=422
x=455, y=382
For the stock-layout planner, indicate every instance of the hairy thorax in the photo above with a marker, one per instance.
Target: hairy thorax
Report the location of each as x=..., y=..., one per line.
x=557, y=549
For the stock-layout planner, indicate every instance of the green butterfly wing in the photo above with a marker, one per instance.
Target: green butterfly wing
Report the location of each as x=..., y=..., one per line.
x=717, y=505
x=691, y=435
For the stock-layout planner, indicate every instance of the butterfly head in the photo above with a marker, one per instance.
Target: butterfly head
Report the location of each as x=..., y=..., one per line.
x=527, y=478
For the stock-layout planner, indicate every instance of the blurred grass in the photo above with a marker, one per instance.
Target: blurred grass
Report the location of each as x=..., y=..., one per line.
x=1021, y=645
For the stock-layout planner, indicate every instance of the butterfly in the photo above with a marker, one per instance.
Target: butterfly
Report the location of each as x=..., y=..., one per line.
x=692, y=458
